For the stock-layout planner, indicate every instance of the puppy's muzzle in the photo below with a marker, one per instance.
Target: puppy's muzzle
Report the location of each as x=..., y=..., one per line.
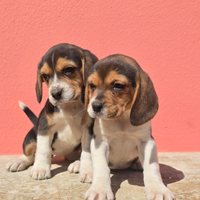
x=56, y=93
x=97, y=106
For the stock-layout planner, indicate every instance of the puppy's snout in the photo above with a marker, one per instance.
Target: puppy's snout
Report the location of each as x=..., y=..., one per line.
x=56, y=93
x=97, y=106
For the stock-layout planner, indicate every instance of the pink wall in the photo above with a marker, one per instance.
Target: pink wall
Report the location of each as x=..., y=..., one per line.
x=163, y=36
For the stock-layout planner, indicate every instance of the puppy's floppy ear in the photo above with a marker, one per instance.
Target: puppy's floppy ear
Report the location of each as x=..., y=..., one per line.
x=84, y=119
x=38, y=87
x=145, y=100
x=87, y=63
x=89, y=60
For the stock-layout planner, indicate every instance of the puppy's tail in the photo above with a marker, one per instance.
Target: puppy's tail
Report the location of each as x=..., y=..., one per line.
x=28, y=112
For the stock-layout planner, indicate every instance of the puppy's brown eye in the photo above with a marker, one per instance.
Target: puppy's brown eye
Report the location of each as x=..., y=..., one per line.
x=68, y=71
x=45, y=77
x=92, y=86
x=118, y=87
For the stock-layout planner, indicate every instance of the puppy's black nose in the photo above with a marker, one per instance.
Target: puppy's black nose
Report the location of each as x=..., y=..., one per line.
x=97, y=106
x=56, y=93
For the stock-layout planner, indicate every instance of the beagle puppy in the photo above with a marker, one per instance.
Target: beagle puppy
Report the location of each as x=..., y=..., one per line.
x=121, y=99
x=58, y=129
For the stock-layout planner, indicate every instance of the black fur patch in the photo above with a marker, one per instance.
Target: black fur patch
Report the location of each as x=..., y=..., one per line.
x=43, y=126
x=83, y=94
x=77, y=147
x=30, y=115
x=91, y=131
x=50, y=108
x=54, y=139
x=151, y=133
x=135, y=160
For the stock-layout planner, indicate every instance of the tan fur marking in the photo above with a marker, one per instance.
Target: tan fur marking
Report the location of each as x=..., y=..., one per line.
x=30, y=149
x=83, y=68
x=85, y=115
x=62, y=63
x=46, y=69
x=113, y=76
x=137, y=80
x=94, y=79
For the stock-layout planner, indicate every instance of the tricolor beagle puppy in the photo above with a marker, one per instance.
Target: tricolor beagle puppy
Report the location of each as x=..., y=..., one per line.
x=121, y=98
x=58, y=129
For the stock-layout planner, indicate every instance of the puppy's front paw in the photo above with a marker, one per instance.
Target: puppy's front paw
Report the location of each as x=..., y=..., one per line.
x=85, y=173
x=85, y=176
x=40, y=171
x=99, y=193
x=19, y=164
x=74, y=167
x=159, y=192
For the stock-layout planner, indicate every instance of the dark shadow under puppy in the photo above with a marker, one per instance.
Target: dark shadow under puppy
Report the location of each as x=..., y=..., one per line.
x=168, y=173
x=63, y=165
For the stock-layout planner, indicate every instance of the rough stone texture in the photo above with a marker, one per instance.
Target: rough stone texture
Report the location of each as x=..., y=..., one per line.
x=180, y=172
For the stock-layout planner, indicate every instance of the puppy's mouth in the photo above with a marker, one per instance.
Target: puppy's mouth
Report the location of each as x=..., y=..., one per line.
x=63, y=100
x=103, y=114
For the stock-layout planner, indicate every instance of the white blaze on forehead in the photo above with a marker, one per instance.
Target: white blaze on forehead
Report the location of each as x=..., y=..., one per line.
x=55, y=79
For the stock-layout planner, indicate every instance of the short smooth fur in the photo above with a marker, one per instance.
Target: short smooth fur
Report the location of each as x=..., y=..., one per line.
x=58, y=129
x=121, y=100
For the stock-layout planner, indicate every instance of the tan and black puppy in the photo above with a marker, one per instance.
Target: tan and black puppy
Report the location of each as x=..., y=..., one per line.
x=58, y=129
x=121, y=98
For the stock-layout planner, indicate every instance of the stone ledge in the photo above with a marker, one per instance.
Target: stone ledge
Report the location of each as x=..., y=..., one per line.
x=180, y=172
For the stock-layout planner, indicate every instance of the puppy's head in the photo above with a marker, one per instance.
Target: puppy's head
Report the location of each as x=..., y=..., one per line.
x=116, y=84
x=62, y=69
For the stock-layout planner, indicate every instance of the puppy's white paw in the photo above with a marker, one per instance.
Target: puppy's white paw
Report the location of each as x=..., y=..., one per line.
x=74, y=167
x=40, y=172
x=159, y=192
x=99, y=193
x=20, y=164
x=85, y=173
x=85, y=177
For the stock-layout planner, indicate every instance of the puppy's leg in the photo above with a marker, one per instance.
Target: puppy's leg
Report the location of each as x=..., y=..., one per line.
x=86, y=160
x=155, y=189
x=29, y=149
x=74, y=167
x=41, y=167
x=100, y=188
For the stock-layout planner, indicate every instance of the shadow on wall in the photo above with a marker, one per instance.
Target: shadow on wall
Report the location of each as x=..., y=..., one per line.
x=169, y=175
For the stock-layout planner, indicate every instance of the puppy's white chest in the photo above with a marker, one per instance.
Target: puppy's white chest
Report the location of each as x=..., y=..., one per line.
x=123, y=140
x=69, y=132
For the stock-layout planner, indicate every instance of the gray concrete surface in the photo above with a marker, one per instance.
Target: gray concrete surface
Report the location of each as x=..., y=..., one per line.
x=180, y=172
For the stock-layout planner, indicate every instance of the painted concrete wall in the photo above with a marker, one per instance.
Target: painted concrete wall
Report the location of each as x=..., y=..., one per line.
x=163, y=36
